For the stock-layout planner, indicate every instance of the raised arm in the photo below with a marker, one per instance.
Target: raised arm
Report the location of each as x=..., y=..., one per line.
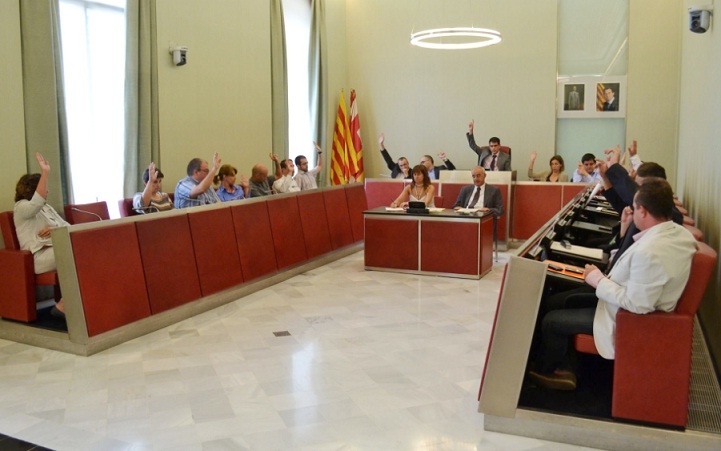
x=392, y=165
x=472, y=140
x=319, y=151
x=148, y=191
x=203, y=186
x=42, y=188
x=532, y=175
x=276, y=166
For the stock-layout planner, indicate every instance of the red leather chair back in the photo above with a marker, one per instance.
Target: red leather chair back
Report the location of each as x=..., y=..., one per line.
x=125, y=206
x=695, y=231
x=704, y=261
x=92, y=212
x=7, y=227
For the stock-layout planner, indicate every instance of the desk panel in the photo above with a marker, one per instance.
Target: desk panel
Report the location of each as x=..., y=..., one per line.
x=450, y=247
x=110, y=277
x=441, y=243
x=168, y=262
x=216, y=251
x=391, y=243
x=255, y=240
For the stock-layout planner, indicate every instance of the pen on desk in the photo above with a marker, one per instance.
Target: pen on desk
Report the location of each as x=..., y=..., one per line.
x=574, y=270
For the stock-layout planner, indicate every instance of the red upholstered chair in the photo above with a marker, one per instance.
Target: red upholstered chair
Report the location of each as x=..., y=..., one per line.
x=125, y=206
x=438, y=201
x=652, y=370
x=17, y=276
x=80, y=213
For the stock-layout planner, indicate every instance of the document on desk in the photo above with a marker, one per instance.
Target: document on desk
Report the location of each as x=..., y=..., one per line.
x=581, y=251
x=467, y=210
x=395, y=209
x=435, y=209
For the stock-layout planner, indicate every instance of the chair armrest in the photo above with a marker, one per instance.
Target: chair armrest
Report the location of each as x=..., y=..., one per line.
x=17, y=278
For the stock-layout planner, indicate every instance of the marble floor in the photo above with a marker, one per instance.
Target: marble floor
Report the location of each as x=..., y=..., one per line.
x=337, y=358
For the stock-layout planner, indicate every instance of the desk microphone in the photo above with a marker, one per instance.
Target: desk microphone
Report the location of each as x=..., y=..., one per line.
x=87, y=213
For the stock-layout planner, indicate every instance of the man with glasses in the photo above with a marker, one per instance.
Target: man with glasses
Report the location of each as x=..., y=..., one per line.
x=490, y=158
x=197, y=188
x=399, y=170
x=434, y=171
x=306, y=178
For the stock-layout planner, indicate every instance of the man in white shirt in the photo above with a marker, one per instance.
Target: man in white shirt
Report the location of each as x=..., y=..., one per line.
x=306, y=178
x=651, y=275
x=485, y=198
x=587, y=171
x=286, y=184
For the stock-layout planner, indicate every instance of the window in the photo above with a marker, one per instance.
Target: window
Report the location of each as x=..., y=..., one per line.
x=297, y=16
x=93, y=49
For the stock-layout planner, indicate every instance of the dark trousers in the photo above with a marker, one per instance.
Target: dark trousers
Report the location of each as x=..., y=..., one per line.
x=566, y=314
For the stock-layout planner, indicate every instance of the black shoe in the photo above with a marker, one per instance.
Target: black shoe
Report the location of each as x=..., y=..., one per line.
x=558, y=380
x=57, y=313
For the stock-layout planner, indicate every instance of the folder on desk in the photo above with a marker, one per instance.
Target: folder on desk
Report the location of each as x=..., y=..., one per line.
x=586, y=253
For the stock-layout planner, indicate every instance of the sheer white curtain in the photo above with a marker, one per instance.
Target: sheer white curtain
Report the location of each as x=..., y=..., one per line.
x=93, y=48
x=297, y=17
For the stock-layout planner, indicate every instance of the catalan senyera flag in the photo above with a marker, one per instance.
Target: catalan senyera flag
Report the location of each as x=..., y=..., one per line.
x=355, y=146
x=600, y=98
x=339, y=172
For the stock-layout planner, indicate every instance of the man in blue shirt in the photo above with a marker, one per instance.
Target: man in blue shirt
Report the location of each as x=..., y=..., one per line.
x=196, y=189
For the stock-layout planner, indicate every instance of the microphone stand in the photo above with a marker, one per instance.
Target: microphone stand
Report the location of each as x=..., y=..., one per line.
x=87, y=213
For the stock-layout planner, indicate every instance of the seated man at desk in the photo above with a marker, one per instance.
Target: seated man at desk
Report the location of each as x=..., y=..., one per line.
x=196, y=189
x=587, y=172
x=400, y=169
x=485, y=197
x=490, y=158
x=651, y=275
x=434, y=171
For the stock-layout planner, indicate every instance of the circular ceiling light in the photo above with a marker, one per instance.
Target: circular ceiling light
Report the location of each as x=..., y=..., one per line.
x=455, y=38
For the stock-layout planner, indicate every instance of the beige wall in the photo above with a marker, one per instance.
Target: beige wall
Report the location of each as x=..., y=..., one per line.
x=221, y=100
x=699, y=136
x=654, y=77
x=423, y=99
x=12, y=124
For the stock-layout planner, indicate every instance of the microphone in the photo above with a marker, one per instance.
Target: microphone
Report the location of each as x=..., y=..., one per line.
x=87, y=213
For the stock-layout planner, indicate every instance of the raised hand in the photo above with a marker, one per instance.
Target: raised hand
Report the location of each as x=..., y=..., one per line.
x=633, y=148
x=582, y=169
x=534, y=155
x=381, y=141
x=152, y=173
x=216, y=163
x=613, y=155
x=44, y=165
x=442, y=155
x=244, y=183
x=317, y=147
x=470, y=126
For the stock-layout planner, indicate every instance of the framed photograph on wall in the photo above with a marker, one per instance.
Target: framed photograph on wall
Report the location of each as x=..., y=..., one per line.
x=591, y=97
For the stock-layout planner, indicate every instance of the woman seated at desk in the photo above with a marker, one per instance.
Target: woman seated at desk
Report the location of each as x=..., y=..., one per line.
x=34, y=219
x=419, y=190
x=555, y=174
x=152, y=199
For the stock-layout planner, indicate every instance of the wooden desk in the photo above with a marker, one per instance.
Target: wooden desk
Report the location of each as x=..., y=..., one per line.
x=444, y=243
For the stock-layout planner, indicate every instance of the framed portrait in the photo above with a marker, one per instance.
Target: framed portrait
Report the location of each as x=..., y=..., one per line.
x=591, y=97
